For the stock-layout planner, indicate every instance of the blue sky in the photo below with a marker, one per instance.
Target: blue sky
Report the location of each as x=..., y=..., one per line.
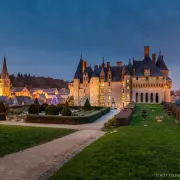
x=46, y=37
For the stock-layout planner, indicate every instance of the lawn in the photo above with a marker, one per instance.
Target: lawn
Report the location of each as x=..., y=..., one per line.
x=17, y=138
x=133, y=152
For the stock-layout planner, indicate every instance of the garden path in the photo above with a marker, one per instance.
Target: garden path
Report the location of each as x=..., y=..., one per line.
x=97, y=125
x=41, y=161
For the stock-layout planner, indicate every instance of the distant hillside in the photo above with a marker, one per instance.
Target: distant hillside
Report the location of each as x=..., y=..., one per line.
x=37, y=82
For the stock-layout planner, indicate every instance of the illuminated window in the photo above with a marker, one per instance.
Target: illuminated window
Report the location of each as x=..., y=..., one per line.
x=102, y=90
x=109, y=97
x=127, y=87
x=127, y=80
x=102, y=97
x=109, y=90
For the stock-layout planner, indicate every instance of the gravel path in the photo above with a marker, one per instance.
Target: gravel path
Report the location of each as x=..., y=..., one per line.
x=39, y=162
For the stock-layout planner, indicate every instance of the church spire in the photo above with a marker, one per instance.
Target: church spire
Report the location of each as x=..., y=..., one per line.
x=103, y=62
x=4, y=69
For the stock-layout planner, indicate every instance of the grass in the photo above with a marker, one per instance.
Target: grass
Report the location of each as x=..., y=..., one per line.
x=134, y=152
x=17, y=138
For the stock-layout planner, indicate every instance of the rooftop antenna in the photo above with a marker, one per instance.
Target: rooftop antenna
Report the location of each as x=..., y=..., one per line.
x=160, y=53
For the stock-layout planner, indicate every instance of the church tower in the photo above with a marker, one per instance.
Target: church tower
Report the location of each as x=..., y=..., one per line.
x=5, y=81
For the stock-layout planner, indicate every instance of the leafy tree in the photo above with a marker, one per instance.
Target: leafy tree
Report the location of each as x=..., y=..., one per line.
x=2, y=107
x=33, y=109
x=66, y=111
x=87, y=105
x=52, y=110
x=36, y=102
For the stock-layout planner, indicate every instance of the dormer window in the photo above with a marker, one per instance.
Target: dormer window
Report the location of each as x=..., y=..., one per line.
x=146, y=72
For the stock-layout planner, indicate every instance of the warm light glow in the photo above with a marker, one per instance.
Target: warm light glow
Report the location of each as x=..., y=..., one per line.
x=127, y=87
x=127, y=80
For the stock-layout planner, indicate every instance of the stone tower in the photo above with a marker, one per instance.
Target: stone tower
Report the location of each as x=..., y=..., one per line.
x=4, y=81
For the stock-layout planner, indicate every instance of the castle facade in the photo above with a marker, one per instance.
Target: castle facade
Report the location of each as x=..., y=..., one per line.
x=141, y=81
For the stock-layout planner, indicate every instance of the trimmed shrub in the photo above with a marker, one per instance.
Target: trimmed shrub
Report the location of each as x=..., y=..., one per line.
x=33, y=109
x=36, y=102
x=66, y=111
x=43, y=107
x=107, y=125
x=52, y=110
x=2, y=107
x=87, y=106
x=60, y=106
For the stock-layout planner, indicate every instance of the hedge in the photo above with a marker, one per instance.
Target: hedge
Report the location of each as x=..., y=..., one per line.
x=54, y=119
x=2, y=116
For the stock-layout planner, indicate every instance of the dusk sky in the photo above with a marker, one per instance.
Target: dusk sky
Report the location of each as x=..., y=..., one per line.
x=46, y=37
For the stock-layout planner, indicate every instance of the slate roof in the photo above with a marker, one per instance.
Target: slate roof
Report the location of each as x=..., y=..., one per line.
x=78, y=74
x=160, y=63
x=17, y=89
x=136, y=64
x=22, y=99
x=129, y=69
x=89, y=71
x=147, y=63
x=168, y=78
x=117, y=71
x=4, y=99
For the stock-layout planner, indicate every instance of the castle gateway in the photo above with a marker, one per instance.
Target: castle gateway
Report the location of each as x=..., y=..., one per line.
x=144, y=81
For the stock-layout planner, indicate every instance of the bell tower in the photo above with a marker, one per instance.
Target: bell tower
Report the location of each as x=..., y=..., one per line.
x=5, y=81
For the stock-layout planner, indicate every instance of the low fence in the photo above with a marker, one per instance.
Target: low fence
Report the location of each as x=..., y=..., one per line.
x=123, y=118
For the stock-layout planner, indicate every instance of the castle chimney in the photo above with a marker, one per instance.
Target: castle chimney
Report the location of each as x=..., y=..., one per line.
x=146, y=50
x=108, y=64
x=119, y=63
x=154, y=58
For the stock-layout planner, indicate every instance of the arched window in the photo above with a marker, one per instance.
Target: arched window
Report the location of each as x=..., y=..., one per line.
x=151, y=97
x=141, y=97
x=157, y=98
x=146, y=97
x=136, y=97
